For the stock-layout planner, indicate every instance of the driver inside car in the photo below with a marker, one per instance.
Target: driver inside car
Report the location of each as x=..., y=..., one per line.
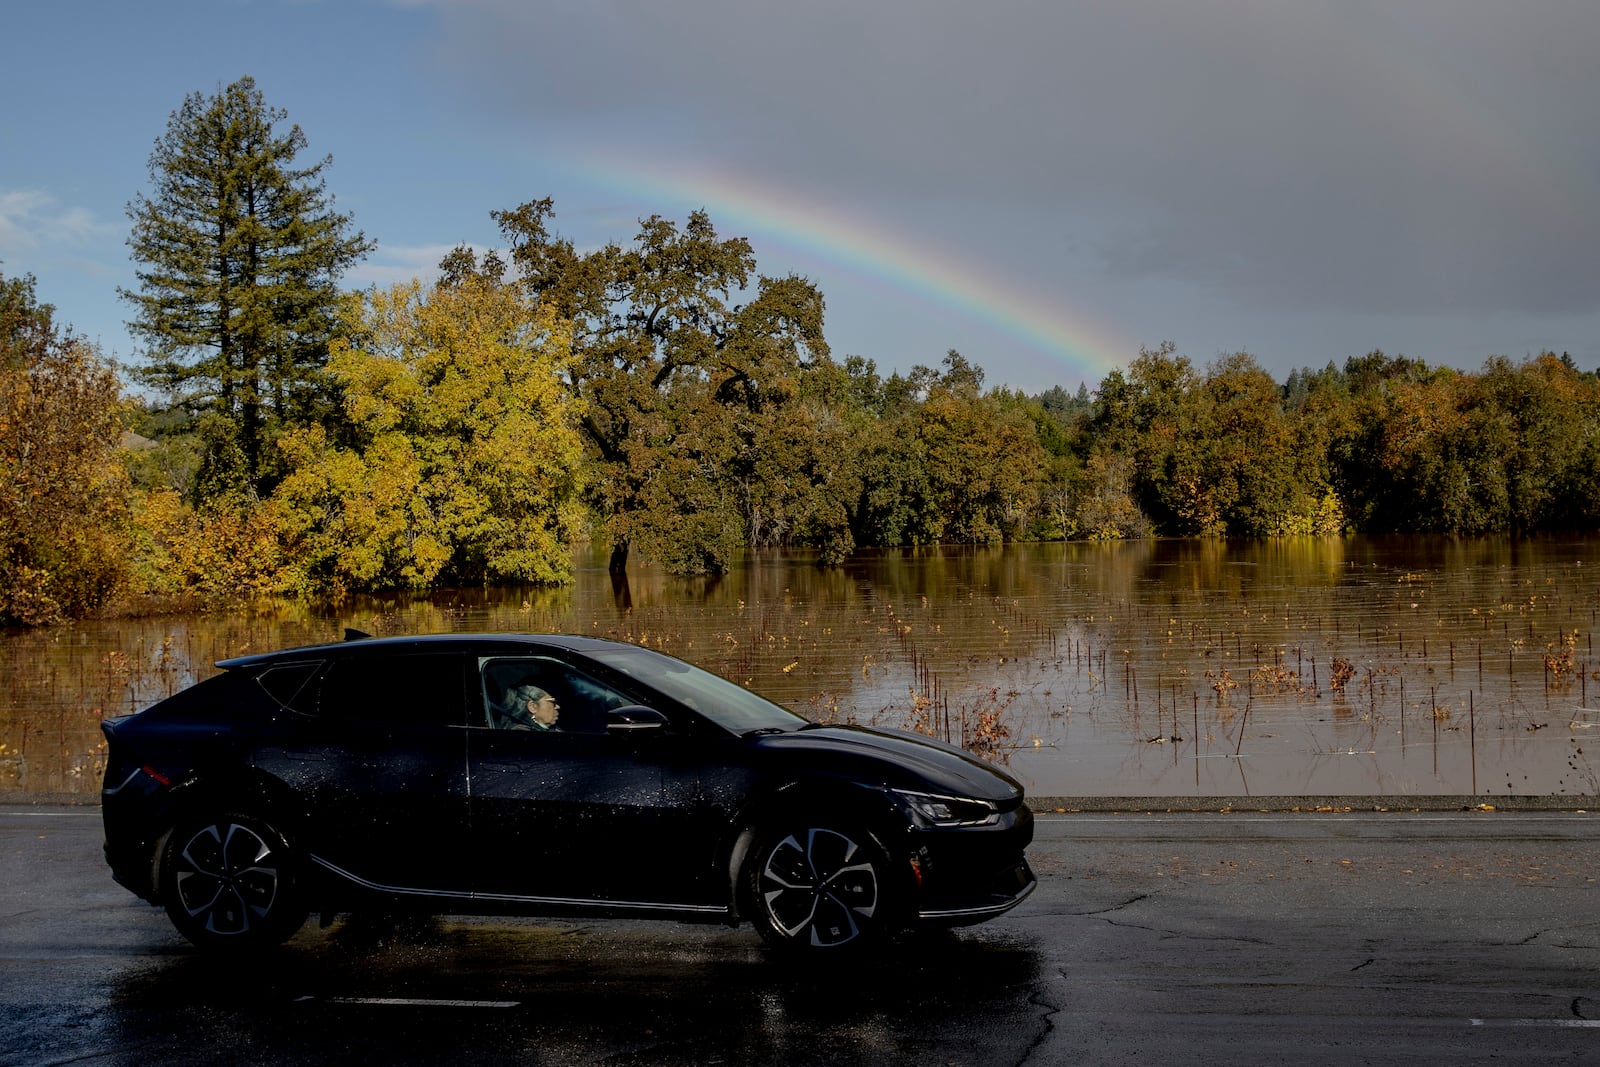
x=527, y=707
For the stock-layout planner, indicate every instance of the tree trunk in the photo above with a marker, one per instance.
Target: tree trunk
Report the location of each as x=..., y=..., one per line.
x=621, y=594
x=619, y=557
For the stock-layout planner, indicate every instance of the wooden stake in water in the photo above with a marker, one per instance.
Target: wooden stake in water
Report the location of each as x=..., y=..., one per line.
x=1472, y=739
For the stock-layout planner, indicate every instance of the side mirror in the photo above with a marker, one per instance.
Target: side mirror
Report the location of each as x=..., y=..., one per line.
x=634, y=717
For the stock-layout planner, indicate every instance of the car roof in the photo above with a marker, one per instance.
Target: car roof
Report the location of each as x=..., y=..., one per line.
x=360, y=645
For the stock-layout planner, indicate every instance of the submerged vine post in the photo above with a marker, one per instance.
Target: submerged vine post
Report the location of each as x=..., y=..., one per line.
x=1472, y=739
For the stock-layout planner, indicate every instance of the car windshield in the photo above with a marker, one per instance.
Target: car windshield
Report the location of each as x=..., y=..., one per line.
x=730, y=706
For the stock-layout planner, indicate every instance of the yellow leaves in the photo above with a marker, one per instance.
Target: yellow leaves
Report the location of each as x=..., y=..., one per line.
x=428, y=556
x=158, y=511
x=457, y=359
x=63, y=493
x=227, y=552
x=467, y=460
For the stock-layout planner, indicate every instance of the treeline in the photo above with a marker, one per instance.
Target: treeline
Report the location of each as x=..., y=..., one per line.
x=660, y=396
x=472, y=434
x=1383, y=444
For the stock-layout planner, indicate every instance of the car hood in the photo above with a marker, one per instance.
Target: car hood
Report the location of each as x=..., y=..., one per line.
x=898, y=760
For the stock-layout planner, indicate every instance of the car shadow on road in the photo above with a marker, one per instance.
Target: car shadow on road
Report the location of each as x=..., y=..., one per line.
x=495, y=991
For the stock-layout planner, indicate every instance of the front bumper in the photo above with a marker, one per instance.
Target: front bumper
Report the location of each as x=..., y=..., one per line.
x=970, y=874
x=1008, y=889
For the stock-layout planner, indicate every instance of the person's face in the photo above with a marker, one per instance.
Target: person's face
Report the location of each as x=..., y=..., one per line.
x=545, y=709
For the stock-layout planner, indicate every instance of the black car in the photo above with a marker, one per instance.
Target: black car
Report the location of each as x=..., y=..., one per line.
x=542, y=775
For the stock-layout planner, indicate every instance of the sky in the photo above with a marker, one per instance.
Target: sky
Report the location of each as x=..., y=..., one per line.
x=1045, y=186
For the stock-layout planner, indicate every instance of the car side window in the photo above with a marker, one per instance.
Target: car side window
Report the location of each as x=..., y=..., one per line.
x=539, y=694
x=286, y=682
x=410, y=688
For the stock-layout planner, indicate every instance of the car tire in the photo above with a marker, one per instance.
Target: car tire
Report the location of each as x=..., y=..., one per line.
x=819, y=887
x=229, y=883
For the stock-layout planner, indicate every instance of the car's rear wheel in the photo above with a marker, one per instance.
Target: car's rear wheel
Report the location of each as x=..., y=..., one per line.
x=229, y=883
x=817, y=885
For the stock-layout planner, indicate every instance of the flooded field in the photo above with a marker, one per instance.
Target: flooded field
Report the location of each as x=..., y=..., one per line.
x=1305, y=666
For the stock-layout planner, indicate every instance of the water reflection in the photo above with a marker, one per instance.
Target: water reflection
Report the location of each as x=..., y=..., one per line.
x=488, y=992
x=1365, y=665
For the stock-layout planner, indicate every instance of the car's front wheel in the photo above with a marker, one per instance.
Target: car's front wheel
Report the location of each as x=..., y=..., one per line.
x=816, y=885
x=229, y=884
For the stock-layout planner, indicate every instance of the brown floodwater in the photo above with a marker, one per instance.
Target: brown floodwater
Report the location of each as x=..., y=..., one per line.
x=1359, y=666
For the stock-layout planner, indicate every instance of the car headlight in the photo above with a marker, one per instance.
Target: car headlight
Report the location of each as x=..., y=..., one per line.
x=936, y=810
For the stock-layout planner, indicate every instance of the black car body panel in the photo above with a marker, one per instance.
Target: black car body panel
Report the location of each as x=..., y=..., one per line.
x=895, y=760
x=383, y=772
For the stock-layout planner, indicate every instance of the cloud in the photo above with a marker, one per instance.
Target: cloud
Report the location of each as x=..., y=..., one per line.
x=1353, y=157
x=394, y=264
x=31, y=219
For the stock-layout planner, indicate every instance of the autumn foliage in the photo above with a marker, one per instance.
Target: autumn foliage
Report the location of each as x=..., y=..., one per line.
x=479, y=427
x=63, y=490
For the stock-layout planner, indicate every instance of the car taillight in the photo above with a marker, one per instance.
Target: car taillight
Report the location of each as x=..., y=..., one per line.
x=157, y=775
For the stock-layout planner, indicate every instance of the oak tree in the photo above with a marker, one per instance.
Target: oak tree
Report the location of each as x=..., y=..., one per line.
x=680, y=385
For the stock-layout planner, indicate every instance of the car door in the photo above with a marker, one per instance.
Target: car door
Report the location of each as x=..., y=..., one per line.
x=376, y=747
x=575, y=812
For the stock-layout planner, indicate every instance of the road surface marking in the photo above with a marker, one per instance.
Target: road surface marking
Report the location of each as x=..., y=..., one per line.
x=413, y=1002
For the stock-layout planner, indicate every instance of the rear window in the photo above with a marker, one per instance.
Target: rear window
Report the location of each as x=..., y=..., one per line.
x=222, y=695
x=413, y=688
x=285, y=683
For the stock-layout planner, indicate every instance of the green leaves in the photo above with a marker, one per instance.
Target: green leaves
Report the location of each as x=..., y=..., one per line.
x=685, y=395
x=240, y=252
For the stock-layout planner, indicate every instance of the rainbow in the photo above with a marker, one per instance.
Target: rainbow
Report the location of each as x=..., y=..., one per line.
x=871, y=251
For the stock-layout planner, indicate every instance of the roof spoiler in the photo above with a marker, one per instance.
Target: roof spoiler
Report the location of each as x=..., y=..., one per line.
x=352, y=634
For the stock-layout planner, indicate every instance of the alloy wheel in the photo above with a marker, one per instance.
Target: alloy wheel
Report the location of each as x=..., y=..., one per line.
x=819, y=887
x=227, y=879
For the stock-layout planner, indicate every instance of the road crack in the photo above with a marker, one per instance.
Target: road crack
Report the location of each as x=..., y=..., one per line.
x=1116, y=907
x=1047, y=1020
x=1177, y=935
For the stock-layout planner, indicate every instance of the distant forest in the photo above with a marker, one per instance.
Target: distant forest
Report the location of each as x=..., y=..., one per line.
x=463, y=435
x=659, y=397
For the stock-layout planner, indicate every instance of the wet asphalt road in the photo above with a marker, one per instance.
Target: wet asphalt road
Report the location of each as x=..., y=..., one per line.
x=1217, y=939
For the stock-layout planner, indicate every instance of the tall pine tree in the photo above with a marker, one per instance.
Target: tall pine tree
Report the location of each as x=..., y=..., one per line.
x=240, y=253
